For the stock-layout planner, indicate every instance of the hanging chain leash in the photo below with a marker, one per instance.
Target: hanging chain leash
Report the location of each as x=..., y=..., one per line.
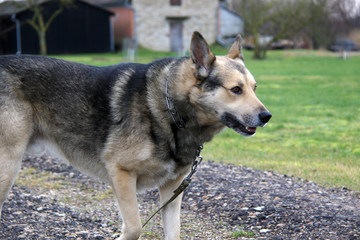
x=179, y=122
x=184, y=184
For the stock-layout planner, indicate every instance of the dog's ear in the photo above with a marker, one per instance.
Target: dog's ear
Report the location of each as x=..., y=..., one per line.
x=236, y=49
x=201, y=55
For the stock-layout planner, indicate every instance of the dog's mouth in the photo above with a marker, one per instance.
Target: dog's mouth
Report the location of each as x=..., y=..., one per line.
x=232, y=122
x=245, y=130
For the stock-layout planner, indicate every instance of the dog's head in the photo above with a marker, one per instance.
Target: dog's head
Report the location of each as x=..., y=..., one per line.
x=225, y=88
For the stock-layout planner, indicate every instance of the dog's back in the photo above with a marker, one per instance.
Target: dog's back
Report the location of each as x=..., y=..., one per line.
x=69, y=109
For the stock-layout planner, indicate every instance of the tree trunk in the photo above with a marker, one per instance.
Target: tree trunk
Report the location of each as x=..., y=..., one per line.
x=42, y=42
x=257, y=52
x=257, y=47
x=263, y=53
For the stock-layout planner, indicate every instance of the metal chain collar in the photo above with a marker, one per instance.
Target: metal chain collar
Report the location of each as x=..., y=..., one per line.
x=176, y=117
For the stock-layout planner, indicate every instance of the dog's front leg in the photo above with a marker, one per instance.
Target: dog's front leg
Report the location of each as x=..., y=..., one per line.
x=124, y=186
x=171, y=213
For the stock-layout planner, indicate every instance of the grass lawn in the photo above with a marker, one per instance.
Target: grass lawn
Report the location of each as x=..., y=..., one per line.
x=315, y=130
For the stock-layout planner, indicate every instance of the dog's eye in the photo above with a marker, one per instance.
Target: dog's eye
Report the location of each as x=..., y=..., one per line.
x=236, y=90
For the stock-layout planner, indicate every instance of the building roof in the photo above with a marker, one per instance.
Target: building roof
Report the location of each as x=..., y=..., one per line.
x=7, y=8
x=110, y=3
x=235, y=14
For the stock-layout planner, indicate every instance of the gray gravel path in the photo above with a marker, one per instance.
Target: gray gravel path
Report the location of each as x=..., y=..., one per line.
x=52, y=200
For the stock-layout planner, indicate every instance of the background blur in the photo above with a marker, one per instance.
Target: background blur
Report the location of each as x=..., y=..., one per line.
x=93, y=26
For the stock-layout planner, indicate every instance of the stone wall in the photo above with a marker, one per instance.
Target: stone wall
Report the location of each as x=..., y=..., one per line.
x=152, y=21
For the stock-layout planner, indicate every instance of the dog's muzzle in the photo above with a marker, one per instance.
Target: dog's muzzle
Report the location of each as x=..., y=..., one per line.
x=246, y=129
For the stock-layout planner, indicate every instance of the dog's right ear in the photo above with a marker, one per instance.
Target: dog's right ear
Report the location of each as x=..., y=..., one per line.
x=236, y=49
x=201, y=55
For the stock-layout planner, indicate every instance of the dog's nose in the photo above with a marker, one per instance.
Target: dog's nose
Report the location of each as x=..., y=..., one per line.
x=265, y=116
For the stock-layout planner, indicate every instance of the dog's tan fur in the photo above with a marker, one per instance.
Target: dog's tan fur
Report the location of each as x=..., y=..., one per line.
x=113, y=122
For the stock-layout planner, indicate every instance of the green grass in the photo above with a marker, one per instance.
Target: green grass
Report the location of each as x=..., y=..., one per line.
x=243, y=234
x=143, y=56
x=315, y=130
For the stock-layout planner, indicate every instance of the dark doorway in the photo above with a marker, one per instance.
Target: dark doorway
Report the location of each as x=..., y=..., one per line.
x=176, y=35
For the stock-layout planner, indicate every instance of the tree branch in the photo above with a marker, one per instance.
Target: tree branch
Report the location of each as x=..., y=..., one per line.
x=53, y=16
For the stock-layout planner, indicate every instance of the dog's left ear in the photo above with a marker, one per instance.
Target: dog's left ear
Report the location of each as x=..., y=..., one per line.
x=201, y=55
x=236, y=49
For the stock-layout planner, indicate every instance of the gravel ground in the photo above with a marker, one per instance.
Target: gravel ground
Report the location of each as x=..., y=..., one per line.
x=52, y=200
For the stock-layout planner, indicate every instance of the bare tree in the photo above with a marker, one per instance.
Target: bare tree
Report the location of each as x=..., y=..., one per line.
x=344, y=15
x=331, y=19
x=320, y=31
x=276, y=18
x=40, y=23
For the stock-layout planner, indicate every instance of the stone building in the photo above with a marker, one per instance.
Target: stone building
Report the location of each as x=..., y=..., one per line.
x=167, y=25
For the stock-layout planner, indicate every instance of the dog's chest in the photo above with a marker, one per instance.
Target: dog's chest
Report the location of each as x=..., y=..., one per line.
x=157, y=173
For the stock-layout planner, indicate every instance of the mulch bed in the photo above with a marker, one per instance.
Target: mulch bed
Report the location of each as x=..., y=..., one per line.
x=223, y=201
